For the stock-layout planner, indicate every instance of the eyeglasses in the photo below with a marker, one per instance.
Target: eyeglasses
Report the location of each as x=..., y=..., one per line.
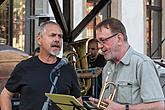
x=102, y=41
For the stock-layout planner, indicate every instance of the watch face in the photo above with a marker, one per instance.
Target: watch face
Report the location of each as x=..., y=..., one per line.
x=126, y=107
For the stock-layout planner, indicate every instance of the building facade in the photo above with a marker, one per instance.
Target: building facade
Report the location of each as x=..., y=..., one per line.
x=144, y=21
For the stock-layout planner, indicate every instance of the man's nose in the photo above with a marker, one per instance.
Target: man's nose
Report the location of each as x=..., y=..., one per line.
x=100, y=45
x=56, y=38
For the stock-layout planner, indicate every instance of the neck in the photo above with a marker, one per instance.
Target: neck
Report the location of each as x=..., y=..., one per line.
x=123, y=51
x=92, y=59
x=49, y=59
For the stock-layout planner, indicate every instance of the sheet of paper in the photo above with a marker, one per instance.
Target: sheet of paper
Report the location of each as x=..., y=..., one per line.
x=65, y=102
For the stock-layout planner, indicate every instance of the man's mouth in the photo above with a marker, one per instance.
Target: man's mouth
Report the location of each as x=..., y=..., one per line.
x=103, y=51
x=57, y=46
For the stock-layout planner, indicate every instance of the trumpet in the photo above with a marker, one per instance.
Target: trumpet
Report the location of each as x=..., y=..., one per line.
x=101, y=104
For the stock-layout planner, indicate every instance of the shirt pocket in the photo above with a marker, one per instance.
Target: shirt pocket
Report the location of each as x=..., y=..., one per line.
x=124, y=92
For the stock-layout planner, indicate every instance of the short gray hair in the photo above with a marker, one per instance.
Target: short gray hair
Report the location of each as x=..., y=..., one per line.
x=43, y=24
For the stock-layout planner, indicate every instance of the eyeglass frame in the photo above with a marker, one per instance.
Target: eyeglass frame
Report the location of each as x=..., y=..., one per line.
x=102, y=41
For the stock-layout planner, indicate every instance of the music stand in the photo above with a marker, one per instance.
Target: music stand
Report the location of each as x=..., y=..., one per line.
x=65, y=102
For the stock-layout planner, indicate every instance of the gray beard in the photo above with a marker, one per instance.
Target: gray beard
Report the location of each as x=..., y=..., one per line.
x=55, y=53
x=113, y=56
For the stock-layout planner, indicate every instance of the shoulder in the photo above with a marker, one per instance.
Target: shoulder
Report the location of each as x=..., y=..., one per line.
x=69, y=67
x=135, y=57
x=28, y=62
x=142, y=62
x=139, y=57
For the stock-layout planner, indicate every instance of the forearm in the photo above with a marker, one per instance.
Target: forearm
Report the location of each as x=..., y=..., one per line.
x=5, y=103
x=5, y=99
x=142, y=106
x=148, y=106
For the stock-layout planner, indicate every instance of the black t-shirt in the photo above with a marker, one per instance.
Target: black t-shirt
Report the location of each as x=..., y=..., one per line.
x=98, y=62
x=31, y=78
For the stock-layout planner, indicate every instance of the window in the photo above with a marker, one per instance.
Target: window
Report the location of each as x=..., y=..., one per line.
x=154, y=28
x=4, y=22
x=12, y=23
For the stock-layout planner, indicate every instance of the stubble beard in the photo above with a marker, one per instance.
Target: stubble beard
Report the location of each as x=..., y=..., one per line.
x=113, y=56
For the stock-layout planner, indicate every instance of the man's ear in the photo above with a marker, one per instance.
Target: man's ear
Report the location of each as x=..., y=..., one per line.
x=39, y=40
x=120, y=38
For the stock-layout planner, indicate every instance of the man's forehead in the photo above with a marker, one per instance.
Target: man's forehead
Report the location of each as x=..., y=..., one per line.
x=103, y=29
x=92, y=45
x=52, y=25
x=53, y=29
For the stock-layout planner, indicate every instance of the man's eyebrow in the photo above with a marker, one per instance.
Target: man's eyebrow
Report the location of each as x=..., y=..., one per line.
x=54, y=34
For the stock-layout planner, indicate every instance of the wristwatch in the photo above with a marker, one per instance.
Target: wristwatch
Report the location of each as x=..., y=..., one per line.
x=126, y=107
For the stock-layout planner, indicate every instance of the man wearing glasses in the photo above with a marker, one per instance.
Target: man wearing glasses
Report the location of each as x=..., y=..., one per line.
x=134, y=74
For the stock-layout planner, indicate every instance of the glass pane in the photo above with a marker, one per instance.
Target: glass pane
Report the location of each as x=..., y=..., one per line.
x=18, y=24
x=4, y=22
x=87, y=6
x=154, y=28
x=90, y=27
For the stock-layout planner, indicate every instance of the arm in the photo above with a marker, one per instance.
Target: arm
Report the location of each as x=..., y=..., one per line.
x=148, y=106
x=90, y=74
x=142, y=106
x=5, y=99
x=159, y=105
x=85, y=75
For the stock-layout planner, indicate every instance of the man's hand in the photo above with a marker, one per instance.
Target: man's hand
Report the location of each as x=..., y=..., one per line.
x=98, y=71
x=93, y=101
x=111, y=105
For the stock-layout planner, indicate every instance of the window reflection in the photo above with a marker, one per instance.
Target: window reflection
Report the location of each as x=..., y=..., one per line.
x=18, y=23
x=3, y=22
x=90, y=27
